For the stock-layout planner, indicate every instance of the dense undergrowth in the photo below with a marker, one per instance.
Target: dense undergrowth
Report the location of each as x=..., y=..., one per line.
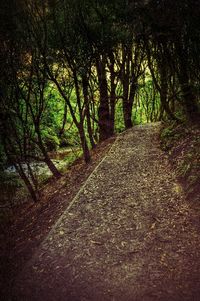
x=182, y=144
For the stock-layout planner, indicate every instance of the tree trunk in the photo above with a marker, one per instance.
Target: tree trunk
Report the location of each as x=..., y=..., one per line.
x=164, y=91
x=112, y=93
x=127, y=112
x=189, y=98
x=128, y=106
x=33, y=193
x=87, y=110
x=128, y=92
x=80, y=124
x=86, y=151
x=62, y=130
x=47, y=159
x=105, y=124
x=162, y=88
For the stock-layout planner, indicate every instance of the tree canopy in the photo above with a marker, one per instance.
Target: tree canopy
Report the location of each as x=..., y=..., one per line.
x=88, y=69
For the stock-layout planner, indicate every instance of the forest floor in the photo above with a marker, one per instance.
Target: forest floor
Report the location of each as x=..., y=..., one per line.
x=129, y=234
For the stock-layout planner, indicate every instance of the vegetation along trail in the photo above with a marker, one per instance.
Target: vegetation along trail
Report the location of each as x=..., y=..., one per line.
x=129, y=234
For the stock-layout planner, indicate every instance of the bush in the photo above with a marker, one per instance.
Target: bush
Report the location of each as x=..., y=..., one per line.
x=50, y=139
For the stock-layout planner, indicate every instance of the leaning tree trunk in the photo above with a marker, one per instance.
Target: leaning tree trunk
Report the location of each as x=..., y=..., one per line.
x=47, y=159
x=9, y=150
x=34, y=193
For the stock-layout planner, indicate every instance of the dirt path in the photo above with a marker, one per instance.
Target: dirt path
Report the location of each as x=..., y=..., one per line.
x=128, y=235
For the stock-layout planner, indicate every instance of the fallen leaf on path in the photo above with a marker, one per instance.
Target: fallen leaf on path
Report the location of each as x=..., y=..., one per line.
x=96, y=242
x=153, y=225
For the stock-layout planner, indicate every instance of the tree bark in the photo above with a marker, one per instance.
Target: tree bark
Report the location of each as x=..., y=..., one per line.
x=129, y=86
x=47, y=159
x=189, y=98
x=112, y=93
x=86, y=151
x=80, y=124
x=62, y=130
x=85, y=85
x=105, y=124
x=32, y=191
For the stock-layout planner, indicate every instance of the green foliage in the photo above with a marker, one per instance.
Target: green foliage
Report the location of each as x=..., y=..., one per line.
x=142, y=56
x=170, y=135
x=53, y=115
x=50, y=139
x=119, y=119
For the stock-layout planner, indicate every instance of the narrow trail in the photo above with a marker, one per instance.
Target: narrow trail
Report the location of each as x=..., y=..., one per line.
x=129, y=234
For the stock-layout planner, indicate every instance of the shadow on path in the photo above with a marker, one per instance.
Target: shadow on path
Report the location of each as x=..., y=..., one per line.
x=129, y=234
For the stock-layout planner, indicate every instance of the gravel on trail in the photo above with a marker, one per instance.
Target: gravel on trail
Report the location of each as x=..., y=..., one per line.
x=128, y=235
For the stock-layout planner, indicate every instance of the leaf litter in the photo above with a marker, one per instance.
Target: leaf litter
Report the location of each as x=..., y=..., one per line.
x=129, y=235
